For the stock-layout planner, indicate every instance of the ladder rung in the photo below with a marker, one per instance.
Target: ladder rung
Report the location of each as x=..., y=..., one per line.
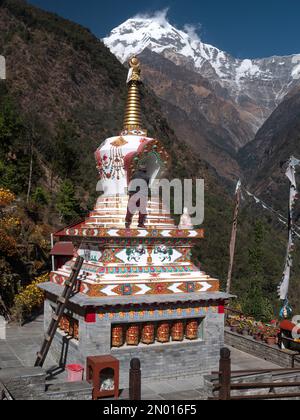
x=61, y=299
x=47, y=337
x=55, y=317
x=68, y=283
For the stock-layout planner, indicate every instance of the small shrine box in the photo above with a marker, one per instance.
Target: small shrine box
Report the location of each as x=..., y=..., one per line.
x=103, y=373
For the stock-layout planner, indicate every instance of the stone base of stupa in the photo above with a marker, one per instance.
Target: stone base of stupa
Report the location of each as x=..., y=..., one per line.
x=87, y=330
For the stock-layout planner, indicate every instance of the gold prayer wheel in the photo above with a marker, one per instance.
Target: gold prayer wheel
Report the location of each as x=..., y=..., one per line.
x=177, y=331
x=76, y=330
x=163, y=332
x=133, y=335
x=117, y=336
x=191, y=331
x=61, y=323
x=71, y=327
x=148, y=333
x=66, y=324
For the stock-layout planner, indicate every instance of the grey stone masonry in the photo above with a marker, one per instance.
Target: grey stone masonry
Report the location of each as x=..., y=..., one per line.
x=24, y=383
x=30, y=384
x=158, y=361
x=283, y=358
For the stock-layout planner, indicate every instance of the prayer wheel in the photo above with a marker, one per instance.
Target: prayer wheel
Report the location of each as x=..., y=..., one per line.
x=66, y=324
x=191, y=331
x=133, y=335
x=148, y=333
x=76, y=330
x=61, y=323
x=163, y=332
x=71, y=327
x=177, y=332
x=117, y=336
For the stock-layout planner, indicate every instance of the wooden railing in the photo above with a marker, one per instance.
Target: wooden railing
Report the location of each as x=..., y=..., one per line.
x=226, y=384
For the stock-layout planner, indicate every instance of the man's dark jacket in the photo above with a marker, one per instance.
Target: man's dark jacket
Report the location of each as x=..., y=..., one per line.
x=143, y=176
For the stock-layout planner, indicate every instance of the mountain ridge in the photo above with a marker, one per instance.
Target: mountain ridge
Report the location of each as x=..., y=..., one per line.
x=273, y=76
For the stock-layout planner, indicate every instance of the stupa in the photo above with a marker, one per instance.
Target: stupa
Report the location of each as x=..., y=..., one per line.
x=140, y=295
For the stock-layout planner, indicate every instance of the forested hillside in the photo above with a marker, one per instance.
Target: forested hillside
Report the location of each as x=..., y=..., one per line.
x=65, y=94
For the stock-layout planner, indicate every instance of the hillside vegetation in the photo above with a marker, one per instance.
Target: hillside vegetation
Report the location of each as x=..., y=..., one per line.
x=64, y=95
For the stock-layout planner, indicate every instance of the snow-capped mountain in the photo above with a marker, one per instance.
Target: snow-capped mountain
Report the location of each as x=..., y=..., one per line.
x=256, y=85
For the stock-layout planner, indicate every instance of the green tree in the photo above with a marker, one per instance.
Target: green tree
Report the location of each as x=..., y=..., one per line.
x=254, y=301
x=15, y=156
x=40, y=196
x=67, y=203
x=10, y=125
x=65, y=157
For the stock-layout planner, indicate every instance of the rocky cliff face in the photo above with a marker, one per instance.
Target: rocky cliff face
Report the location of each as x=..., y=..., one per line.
x=200, y=117
x=263, y=159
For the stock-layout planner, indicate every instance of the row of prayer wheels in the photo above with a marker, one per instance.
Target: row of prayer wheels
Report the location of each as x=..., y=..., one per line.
x=151, y=332
x=70, y=326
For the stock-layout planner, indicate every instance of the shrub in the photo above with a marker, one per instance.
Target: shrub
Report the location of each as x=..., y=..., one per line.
x=6, y=197
x=30, y=300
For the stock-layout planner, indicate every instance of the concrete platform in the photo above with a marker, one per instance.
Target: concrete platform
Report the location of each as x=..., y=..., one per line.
x=22, y=344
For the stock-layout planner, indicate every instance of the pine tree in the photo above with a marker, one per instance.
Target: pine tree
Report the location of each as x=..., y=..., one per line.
x=67, y=203
x=254, y=302
x=40, y=196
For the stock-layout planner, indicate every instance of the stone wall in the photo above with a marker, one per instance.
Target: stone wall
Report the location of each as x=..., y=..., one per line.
x=158, y=361
x=24, y=383
x=30, y=384
x=273, y=354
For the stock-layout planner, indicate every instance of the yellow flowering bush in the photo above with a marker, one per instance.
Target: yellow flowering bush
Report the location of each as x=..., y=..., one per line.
x=30, y=299
x=9, y=222
x=6, y=197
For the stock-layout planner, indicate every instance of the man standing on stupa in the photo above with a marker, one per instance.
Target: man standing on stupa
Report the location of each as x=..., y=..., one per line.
x=139, y=184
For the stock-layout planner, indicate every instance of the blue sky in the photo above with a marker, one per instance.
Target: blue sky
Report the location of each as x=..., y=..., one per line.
x=256, y=28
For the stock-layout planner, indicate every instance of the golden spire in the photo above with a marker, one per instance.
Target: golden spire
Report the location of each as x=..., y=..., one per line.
x=133, y=117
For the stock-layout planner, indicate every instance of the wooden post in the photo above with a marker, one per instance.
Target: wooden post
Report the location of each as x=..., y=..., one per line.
x=135, y=383
x=233, y=236
x=225, y=375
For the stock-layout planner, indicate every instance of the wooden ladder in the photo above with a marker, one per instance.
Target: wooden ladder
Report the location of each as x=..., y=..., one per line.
x=62, y=302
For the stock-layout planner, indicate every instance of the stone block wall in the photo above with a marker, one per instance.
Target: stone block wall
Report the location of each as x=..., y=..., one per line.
x=158, y=361
x=30, y=384
x=24, y=383
x=273, y=354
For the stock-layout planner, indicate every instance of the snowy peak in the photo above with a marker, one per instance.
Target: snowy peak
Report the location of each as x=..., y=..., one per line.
x=184, y=47
x=156, y=33
x=255, y=86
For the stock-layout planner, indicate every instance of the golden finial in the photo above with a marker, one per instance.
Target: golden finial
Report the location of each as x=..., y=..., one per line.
x=133, y=117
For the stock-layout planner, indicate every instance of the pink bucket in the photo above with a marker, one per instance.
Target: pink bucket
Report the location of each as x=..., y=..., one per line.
x=75, y=373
